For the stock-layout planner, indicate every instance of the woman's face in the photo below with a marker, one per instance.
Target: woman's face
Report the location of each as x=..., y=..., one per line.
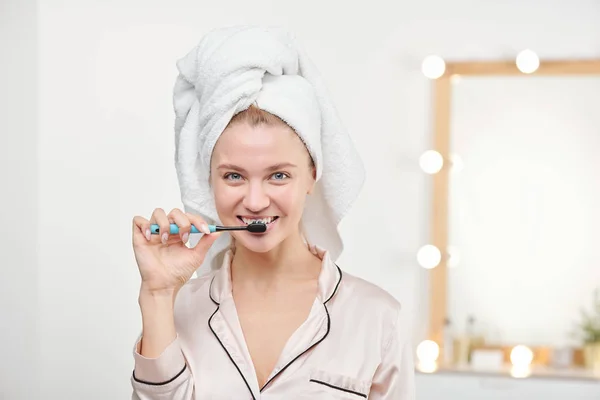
x=261, y=173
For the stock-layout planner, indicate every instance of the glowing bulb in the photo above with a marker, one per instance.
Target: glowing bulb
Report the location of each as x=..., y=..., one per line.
x=428, y=351
x=431, y=162
x=521, y=356
x=527, y=61
x=520, y=372
x=433, y=67
x=429, y=256
x=427, y=367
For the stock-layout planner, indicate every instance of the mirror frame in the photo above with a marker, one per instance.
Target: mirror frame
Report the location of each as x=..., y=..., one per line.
x=441, y=96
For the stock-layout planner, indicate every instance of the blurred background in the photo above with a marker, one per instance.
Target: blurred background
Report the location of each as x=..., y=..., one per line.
x=86, y=130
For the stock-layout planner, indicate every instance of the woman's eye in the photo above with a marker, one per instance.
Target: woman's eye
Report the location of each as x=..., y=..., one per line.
x=278, y=176
x=233, y=176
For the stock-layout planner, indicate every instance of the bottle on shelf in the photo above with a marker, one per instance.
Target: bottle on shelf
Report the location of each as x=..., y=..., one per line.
x=448, y=348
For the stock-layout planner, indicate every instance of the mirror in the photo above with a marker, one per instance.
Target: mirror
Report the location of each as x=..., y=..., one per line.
x=516, y=206
x=524, y=206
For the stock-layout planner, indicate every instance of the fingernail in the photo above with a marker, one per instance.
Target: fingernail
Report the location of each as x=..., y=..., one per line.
x=204, y=228
x=165, y=237
x=185, y=237
x=147, y=234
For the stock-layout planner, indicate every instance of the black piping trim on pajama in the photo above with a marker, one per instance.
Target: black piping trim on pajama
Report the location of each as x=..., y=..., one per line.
x=338, y=388
x=337, y=285
x=297, y=357
x=223, y=346
x=160, y=383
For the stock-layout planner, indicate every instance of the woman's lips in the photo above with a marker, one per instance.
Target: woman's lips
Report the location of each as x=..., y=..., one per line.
x=270, y=225
x=250, y=219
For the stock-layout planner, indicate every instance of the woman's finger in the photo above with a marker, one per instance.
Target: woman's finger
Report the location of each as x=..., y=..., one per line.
x=161, y=219
x=183, y=223
x=198, y=222
x=207, y=239
x=141, y=229
x=205, y=242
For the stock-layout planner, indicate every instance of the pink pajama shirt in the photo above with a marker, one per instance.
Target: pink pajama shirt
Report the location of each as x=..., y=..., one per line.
x=353, y=345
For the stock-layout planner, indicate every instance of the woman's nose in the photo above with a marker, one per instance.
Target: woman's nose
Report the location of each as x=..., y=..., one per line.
x=256, y=198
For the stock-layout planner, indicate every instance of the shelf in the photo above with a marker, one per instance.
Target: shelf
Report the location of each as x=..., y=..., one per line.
x=535, y=372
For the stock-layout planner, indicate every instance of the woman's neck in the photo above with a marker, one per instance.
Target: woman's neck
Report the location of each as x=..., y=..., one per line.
x=290, y=261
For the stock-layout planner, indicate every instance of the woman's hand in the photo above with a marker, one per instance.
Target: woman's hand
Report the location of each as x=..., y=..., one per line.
x=164, y=261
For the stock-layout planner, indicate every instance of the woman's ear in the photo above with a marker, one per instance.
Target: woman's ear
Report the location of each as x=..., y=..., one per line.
x=312, y=183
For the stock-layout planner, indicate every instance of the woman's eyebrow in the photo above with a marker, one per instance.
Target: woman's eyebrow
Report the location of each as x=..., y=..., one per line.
x=271, y=168
x=281, y=166
x=231, y=166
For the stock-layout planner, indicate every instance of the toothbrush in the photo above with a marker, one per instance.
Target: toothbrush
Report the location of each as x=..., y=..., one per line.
x=254, y=228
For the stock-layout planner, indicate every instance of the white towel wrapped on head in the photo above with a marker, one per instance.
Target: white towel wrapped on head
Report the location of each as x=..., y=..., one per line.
x=233, y=68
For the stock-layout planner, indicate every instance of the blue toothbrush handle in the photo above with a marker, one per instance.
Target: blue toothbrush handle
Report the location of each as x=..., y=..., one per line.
x=174, y=229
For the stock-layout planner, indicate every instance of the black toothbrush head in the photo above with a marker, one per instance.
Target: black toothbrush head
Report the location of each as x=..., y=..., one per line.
x=257, y=227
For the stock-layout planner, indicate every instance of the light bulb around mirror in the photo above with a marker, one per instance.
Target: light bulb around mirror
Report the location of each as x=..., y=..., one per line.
x=521, y=356
x=431, y=162
x=433, y=66
x=527, y=61
x=428, y=351
x=520, y=372
x=429, y=256
x=427, y=367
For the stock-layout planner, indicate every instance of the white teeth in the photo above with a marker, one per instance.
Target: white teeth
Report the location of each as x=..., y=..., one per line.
x=248, y=221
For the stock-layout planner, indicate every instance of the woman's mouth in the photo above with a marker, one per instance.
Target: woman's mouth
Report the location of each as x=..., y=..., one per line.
x=261, y=220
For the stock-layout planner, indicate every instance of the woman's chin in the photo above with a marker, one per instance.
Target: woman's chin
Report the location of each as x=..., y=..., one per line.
x=257, y=242
x=264, y=246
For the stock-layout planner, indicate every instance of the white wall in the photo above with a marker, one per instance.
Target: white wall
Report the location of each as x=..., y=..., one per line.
x=19, y=185
x=105, y=146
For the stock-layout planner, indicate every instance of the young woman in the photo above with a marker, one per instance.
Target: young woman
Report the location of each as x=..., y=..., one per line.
x=278, y=319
